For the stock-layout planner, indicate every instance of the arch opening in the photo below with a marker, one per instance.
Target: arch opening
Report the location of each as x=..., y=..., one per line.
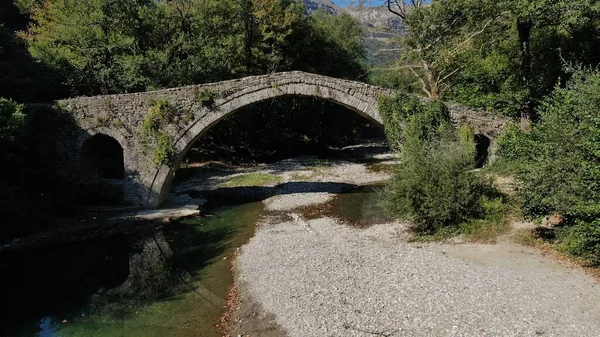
x=283, y=127
x=482, y=148
x=272, y=130
x=102, y=170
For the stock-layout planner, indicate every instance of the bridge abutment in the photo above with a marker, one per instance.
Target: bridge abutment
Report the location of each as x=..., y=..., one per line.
x=156, y=129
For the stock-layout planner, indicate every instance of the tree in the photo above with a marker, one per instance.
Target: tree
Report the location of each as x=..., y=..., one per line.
x=329, y=45
x=438, y=33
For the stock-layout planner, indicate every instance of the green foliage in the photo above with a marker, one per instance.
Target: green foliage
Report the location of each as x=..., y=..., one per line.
x=135, y=45
x=466, y=137
x=434, y=185
x=558, y=163
x=401, y=112
x=494, y=222
x=12, y=121
x=164, y=151
x=330, y=45
x=21, y=77
x=495, y=55
x=206, y=97
x=160, y=113
x=583, y=240
x=561, y=154
x=514, y=145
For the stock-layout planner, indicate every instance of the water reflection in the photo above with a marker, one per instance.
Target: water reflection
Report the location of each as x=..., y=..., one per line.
x=165, y=282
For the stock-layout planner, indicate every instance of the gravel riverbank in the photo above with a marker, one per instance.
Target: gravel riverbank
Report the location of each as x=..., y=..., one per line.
x=323, y=278
x=316, y=275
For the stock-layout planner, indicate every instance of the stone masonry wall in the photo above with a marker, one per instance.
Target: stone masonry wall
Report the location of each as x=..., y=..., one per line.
x=121, y=117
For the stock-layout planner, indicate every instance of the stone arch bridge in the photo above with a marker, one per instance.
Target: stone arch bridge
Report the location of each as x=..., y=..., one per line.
x=139, y=124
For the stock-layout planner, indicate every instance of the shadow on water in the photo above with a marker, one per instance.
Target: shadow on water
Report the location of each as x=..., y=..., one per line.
x=57, y=279
x=173, y=281
x=358, y=207
x=245, y=194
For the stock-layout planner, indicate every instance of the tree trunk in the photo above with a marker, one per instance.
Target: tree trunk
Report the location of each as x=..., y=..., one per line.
x=248, y=18
x=524, y=27
x=434, y=92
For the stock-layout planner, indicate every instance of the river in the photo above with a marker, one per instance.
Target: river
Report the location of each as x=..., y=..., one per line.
x=170, y=280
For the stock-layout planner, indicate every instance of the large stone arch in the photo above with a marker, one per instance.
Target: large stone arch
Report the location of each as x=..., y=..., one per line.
x=363, y=103
x=122, y=116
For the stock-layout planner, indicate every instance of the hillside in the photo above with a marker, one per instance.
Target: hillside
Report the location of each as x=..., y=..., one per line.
x=382, y=28
x=382, y=32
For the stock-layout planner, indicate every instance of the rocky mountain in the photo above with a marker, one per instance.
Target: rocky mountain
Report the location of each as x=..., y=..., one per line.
x=326, y=5
x=382, y=28
x=376, y=18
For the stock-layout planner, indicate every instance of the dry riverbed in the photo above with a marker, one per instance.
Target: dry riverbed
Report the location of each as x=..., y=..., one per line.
x=317, y=275
x=310, y=272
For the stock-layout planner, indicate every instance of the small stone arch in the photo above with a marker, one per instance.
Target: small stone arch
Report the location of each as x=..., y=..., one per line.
x=101, y=157
x=482, y=150
x=102, y=170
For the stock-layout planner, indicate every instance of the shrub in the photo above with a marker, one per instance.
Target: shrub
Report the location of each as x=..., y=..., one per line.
x=160, y=113
x=583, y=240
x=560, y=157
x=206, y=97
x=434, y=185
x=401, y=111
x=12, y=120
x=514, y=145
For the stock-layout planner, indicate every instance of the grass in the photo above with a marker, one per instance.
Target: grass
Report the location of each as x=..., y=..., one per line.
x=252, y=179
x=503, y=168
x=494, y=223
x=381, y=168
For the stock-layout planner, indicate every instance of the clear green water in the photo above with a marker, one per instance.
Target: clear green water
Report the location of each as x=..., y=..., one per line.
x=53, y=291
x=360, y=207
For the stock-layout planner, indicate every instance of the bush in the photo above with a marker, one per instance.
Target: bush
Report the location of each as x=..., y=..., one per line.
x=583, y=240
x=401, y=112
x=513, y=144
x=560, y=157
x=12, y=121
x=206, y=98
x=160, y=113
x=434, y=185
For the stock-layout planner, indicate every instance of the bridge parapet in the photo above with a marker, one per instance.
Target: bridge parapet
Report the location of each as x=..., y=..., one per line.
x=193, y=110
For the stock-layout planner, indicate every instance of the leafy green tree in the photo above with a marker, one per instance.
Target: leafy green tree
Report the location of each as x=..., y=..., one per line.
x=90, y=41
x=562, y=174
x=21, y=77
x=12, y=121
x=438, y=33
x=111, y=46
x=511, y=64
x=330, y=45
x=558, y=163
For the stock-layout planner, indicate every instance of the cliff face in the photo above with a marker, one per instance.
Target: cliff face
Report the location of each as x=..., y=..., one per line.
x=382, y=28
x=376, y=18
x=326, y=5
